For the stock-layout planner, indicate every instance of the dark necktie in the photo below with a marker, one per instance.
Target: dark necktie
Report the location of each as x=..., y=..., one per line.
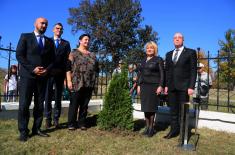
x=40, y=43
x=175, y=56
x=57, y=43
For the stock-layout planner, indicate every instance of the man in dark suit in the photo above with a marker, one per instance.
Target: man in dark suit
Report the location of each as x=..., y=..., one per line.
x=35, y=54
x=62, y=50
x=181, y=73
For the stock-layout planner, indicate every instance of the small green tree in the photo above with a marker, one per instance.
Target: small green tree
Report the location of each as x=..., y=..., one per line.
x=227, y=64
x=117, y=106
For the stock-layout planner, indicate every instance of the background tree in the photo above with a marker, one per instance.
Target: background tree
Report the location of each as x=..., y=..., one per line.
x=145, y=35
x=202, y=58
x=227, y=63
x=114, y=26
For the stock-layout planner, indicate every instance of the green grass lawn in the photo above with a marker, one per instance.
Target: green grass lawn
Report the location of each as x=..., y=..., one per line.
x=115, y=142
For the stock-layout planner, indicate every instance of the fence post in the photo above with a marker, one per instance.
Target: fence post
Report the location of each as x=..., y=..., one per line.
x=0, y=101
x=218, y=70
x=229, y=77
x=208, y=71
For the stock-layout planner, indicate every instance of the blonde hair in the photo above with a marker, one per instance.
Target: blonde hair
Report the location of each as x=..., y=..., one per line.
x=154, y=45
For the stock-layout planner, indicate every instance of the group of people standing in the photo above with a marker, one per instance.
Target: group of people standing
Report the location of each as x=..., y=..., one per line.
x=179, y=77
x=179, y=73
x=47, y=63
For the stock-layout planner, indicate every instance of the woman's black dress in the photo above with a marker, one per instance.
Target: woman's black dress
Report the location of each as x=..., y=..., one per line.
x=150, y=78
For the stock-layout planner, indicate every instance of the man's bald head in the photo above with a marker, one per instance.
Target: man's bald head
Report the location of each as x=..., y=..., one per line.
x=40, y=25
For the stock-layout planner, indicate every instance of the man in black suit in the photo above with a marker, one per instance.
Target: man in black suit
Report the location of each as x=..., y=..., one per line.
x=35, y=54
x=62, y=50
x=181, y=73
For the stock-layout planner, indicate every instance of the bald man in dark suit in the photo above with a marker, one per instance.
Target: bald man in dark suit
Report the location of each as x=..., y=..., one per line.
x=35, y=54
x=181, y=73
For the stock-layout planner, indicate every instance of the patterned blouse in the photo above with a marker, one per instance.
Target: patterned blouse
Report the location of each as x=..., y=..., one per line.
x=84, y=70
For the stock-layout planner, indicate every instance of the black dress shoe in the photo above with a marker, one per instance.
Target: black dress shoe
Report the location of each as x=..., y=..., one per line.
x=151, y=133
x=71, y=128
x=167, y=135
x=23, y=138
x=172, y=134
x=83, y=128
x=56, y=124
x=48, y=124
x=146, y=131
x=40, y=133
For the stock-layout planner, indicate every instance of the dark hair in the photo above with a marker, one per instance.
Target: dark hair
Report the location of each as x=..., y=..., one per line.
x=60, y=24
x=11, y=73
x=84, y=35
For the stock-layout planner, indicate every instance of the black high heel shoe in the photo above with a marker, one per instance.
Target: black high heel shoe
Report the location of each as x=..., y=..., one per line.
x=146, y=131
x=151, y=132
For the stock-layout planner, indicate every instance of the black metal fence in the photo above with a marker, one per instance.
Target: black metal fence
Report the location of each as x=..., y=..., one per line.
x=221, y=95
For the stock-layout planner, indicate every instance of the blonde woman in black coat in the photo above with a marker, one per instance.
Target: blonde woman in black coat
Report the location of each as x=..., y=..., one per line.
x=150, y=83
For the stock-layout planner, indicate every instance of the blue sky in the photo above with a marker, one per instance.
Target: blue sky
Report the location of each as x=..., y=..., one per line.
x=203, y=22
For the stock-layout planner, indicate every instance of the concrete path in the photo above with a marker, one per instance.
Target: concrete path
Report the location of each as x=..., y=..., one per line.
x=213, y=120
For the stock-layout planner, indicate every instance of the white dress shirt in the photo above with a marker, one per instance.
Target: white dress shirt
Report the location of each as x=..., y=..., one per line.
x=38, y=37
x=179, y=52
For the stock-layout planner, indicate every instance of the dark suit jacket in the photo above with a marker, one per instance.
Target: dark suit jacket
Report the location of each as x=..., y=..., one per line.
x=29, y=54
x=151, y=71
x=182, y=75
x=61, y=58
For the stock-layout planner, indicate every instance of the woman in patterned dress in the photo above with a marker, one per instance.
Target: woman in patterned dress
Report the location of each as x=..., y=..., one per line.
x=81, y=76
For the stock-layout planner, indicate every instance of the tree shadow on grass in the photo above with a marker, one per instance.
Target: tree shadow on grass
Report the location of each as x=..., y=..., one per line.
x=161, y=126
x=140, y=124
x=91, y=121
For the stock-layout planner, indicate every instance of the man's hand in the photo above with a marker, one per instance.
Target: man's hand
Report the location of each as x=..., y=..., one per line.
x=190, y=91
x=40, y=71
x=166, y=90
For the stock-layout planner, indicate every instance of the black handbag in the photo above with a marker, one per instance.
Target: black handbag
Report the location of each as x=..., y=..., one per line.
x=204, y=89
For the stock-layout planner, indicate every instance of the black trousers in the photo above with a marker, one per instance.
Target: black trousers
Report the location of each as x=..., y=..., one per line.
x=58, y=82
x=28, y=87
x=176, y=98
x=79, y=99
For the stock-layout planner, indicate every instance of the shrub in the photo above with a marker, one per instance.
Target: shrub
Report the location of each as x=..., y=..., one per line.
x=117, y=106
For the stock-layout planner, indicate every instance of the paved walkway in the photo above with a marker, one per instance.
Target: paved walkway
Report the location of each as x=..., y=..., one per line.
x=208, y=119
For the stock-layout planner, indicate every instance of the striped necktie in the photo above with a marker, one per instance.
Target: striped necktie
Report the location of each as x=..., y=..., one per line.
x=175, y=56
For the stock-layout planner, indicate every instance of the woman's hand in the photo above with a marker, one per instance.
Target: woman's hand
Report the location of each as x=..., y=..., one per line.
x=138, y=90
x=70, y=85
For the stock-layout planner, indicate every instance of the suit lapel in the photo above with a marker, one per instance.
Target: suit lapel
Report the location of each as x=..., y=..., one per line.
x=35, y=42
x=170, y=55
x=181, y=55
x=57, y=50
x=46, y=45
